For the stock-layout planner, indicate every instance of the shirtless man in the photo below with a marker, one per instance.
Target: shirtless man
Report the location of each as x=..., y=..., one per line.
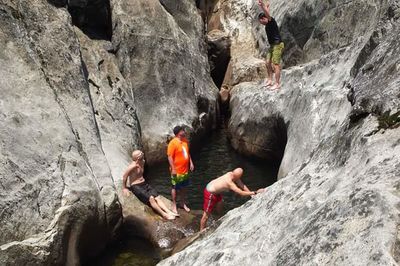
x=213, y=190
x=141, y=189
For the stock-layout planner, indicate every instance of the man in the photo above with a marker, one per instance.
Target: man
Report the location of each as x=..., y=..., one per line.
x=276, y=46
x=212, y=192
x=141, y=189
x=180, y=163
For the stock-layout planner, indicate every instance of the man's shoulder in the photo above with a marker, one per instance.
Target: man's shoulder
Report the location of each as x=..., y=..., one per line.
x=172, y=142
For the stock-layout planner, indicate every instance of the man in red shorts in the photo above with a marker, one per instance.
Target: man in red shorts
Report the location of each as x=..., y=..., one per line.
x=213, y=190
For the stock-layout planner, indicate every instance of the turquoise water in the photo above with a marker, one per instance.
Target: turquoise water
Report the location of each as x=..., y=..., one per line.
x=213, y=159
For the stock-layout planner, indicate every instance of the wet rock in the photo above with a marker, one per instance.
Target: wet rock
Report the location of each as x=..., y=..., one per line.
x=152, y=38
x=140, y=220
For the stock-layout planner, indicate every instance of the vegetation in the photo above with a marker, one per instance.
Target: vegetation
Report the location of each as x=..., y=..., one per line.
x=389, y=121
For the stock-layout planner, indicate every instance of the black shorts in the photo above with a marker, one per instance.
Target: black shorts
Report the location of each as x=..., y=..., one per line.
x=143, y=192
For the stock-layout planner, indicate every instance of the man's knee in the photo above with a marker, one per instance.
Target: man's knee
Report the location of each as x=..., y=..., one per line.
x=152, y=200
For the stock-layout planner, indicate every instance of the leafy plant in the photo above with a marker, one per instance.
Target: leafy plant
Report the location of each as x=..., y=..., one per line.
x=389, y=121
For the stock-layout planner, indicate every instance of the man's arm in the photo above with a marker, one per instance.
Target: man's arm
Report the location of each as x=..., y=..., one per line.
x=265, y=8
x=241, y=185
x=191, y=164
x=234, y=188
x=125, y=176
x=171, y=164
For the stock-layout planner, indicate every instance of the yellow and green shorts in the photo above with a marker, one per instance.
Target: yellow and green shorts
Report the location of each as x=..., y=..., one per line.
x=179, y=181
x=275, y=53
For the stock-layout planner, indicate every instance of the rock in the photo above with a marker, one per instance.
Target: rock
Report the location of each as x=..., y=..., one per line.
x=218, y=54
x=337, y=200
x=58, y=200
x=161, y=53
x=141, y=221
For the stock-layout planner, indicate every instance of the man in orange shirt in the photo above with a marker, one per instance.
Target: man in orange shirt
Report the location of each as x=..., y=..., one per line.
x=180, y=163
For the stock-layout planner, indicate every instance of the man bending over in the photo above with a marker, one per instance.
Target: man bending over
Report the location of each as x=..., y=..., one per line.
x=143, y=191
x=213, y=190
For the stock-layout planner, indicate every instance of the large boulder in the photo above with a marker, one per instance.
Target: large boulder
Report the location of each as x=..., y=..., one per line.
x=58, y=199
x=338, y=196
x=161, y=52
x=141, y=221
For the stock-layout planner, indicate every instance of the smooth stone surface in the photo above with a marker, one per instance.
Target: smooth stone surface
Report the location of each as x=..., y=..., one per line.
x=338, y=199
x=162, y=54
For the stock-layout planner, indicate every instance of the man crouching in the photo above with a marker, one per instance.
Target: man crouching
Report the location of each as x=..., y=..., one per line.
x=212, y=192
x=141, y=189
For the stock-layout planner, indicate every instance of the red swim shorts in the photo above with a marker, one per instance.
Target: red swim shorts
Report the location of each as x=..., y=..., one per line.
x=210, y=200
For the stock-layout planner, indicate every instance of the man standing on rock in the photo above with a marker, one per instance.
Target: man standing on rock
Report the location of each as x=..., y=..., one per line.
x=180, y=163
x=143, y=191
x=276, y=46
x=212, y=192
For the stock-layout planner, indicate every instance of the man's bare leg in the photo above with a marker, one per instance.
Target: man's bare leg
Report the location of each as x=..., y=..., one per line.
x=173, y=195
x=269, y=74
x=183, y=199
x=203, y=220
x=277, y=84
x=219, y=207
x=164, y=207
x=154, y=205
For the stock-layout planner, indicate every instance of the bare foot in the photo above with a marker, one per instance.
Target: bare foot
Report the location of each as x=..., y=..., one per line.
x=186, y=208
x=268, y=83
x=174, y=213
x=169, y=217
x=275, y=87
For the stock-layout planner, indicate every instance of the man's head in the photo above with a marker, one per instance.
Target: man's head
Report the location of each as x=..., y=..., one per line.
x=237, y=173
x=137, y=155
x=262, y=18
x=179, y=132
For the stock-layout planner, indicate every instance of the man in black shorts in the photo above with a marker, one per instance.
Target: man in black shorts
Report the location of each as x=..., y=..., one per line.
x=143, y=191
x=274, y=55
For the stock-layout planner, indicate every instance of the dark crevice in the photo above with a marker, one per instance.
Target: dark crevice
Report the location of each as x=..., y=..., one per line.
x=219, y=55
x=365, y=53
x=93, y=17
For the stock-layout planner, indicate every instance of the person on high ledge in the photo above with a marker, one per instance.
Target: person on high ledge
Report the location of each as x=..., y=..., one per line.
x=212, y=192
x=274, y=54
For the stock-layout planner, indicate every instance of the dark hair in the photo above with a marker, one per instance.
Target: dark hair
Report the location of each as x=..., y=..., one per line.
x=261, y=15
x=177, y=129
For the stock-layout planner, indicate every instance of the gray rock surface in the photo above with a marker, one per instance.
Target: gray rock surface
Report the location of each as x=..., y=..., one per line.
x=141, y=221
x=161, y=52
x=337, y=202
x=57, y=196
x=69, y=116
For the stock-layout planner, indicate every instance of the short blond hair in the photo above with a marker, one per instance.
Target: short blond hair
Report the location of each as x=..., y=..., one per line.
x=136, y=154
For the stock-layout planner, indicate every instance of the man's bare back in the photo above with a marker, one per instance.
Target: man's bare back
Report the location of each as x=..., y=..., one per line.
x=213, y=190
x=230, y=181
x=221, y=184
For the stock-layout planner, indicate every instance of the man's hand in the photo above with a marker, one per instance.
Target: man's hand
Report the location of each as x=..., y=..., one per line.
x=261, y=190
x=126, y=192
x=173, y=171
x=191, y=166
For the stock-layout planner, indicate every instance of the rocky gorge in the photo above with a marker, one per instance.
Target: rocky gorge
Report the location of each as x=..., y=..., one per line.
x=85, y=82
x=337, y=200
